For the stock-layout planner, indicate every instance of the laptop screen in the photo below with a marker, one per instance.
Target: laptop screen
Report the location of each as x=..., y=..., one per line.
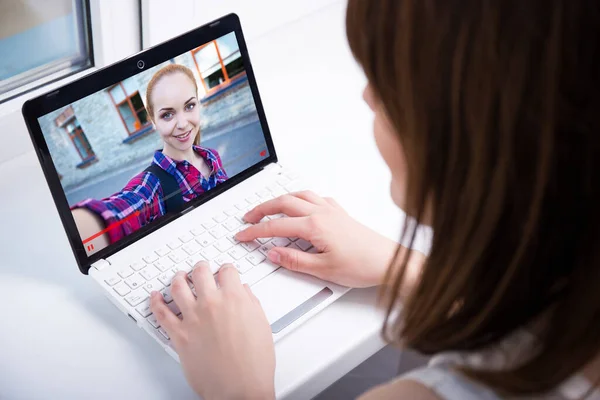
x=146, y=146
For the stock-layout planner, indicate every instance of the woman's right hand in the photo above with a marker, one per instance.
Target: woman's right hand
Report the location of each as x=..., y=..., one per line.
x=349, y=253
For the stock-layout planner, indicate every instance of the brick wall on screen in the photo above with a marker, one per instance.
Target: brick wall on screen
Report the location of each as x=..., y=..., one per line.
x=105, y=132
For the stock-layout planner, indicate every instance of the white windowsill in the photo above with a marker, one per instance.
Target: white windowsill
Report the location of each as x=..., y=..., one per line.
x=115, y=35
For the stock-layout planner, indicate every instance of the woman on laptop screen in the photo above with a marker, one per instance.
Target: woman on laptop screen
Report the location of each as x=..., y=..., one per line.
x=178, y=173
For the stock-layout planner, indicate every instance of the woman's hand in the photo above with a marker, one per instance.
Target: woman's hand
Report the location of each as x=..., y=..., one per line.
x=224, y=340
x=350, y=254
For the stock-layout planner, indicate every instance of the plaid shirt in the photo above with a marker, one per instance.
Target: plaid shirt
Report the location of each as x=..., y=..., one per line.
x=143, y=194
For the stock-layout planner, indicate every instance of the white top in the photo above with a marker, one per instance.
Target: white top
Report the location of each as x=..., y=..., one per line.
x=61, y=338
x=448, y=384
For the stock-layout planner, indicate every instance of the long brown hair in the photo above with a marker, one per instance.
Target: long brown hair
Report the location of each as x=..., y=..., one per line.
x=164, y=71
x=496, y=104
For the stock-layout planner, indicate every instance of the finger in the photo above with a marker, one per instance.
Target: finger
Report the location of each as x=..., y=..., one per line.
x=229, y=277
x=281, y=227
x=310, y=196
x=296, y=260
x=182, y=293
x=164, y=315
x=333, y=203
x=250, y=294
x=203, y=279
x=289, y=205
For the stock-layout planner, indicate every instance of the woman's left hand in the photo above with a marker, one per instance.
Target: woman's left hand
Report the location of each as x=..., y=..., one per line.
x=224, y=340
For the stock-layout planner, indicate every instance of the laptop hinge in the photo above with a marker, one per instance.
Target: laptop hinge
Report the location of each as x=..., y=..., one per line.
x=100, y=264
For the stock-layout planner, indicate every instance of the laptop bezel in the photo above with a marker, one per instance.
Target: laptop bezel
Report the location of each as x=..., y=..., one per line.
x=107, y=76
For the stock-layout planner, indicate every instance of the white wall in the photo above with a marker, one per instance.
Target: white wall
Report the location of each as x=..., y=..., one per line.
x=259, y=17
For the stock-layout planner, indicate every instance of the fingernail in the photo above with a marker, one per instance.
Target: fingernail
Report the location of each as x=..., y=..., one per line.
x=274, y=256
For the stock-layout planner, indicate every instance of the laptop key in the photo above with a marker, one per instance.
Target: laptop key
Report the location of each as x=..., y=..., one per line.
x=218, y=232
x=178, y=256
x=265, y=248
x=223, y=259
x=125, y=272
x=197, y=231
x=186, y=237
x=303, y=244
x=205, y=239
x=231, y=212
x=173, y=307
x=166, y=277
x=232, y=239
x=150, y=258
x=192, y=247
x=283, y=181
x=208, y=224
x=220, y=217
x=122, y=289
x=164, y=334
x=263, y=194
x=264, y=240
x=153, y=321
x=136, y=266
x=252, y=199
x=162, y=251
x=281, y=242
x=250, y=246
x=243, y=266
x=210, y=252
x=175, y=244
x=136, y=297
x=237, y=252
x=195, y=259
x=135, y=281
x=149, y=272
x=144, y=308
x=166, y=294
x=232, y=224
x=255, y=257
x=153, y=285
x=223, y=245
x=164, y=264
x=112, y=281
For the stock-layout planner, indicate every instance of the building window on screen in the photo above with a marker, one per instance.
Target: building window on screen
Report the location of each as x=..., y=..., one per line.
x=218, y=62
x=128, y=102
x=68, y=121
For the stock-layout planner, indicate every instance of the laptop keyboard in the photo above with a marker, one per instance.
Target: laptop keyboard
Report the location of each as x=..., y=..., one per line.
x=214, y=241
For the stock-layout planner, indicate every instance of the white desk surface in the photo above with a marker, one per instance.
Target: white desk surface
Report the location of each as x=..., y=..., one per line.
x=61, y=338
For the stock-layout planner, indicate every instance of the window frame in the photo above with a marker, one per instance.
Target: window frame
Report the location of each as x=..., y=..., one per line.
x=63, y=120
x=90, y=151
x=131, y=107
x=227, y=81
x=57, y=70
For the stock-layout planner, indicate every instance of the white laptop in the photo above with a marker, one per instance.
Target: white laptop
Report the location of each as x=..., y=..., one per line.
x=93, y=137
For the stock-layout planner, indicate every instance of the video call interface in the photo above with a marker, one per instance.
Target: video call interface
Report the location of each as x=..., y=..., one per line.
x=189, y=123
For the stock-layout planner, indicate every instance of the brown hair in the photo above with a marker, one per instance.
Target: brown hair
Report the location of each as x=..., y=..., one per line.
x=164, y=71
x=496, y=105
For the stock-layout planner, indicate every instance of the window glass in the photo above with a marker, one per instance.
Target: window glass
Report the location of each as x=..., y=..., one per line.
x=41, y=38
x=128, y=116
x=117, y=94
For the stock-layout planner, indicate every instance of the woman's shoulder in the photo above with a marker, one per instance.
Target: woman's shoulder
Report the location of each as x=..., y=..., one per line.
x=400, y=389
x=432, y=383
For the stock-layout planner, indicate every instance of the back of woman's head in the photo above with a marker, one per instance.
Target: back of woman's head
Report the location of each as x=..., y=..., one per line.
x=496, y=105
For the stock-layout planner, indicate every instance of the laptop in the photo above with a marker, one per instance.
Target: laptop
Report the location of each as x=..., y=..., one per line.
x=134, y=212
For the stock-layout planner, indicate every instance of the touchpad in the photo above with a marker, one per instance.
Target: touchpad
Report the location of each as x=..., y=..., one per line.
x=286, y=296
